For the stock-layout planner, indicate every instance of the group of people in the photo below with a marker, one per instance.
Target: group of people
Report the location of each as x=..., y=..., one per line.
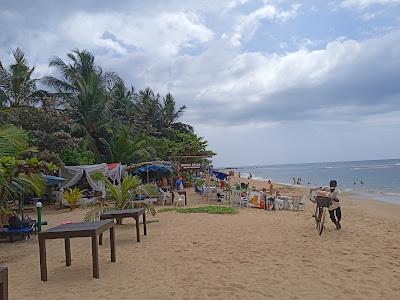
x=296, y=180
x=166, y=183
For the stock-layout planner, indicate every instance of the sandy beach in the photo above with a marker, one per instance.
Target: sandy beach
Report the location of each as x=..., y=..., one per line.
x=254, y=254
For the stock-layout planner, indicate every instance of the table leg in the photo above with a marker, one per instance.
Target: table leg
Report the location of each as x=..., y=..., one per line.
x=95, y=257
x=144, y=224
x=137, y=229
x=185, y=199
x=43, y=263
x=112, y=244
x=101, y=239
x=67, y=244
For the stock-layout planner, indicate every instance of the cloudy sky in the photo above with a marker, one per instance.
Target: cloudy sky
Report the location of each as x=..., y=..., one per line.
x=265, y=82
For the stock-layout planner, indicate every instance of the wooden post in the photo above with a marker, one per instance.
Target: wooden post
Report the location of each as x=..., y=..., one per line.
x=137, y=229
x=3, y=283
x=95, y=256
x=67, y=245
x=112, y=244
x=101, y=239
x=43, y=262
x=144, y=223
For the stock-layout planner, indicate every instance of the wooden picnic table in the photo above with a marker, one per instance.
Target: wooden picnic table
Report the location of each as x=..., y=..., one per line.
x=3, y=283
x=126, y=213
x=74, y=230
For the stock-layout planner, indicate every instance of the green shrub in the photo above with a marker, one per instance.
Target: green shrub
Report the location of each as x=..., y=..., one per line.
x=211, y=209
x=77, y=156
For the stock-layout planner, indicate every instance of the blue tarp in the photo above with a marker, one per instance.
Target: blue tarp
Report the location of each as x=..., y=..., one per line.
x=155, y=168
x=220, y=175
x=53, y=180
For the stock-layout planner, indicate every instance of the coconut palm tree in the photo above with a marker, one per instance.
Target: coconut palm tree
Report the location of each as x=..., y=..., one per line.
x=126, y=148
x=83, y=88
x=17, y=88
x=170, y=115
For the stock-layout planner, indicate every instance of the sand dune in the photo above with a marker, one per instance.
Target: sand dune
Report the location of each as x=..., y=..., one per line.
x=252, y=255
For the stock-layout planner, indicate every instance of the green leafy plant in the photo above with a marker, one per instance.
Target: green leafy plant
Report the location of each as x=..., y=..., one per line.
x=72, y=196
x=77, y=156
x=122, y=196
x=18, y=178
x=211, y=209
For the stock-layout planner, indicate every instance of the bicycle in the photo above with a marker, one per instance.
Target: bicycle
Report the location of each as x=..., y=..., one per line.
x=322, y=204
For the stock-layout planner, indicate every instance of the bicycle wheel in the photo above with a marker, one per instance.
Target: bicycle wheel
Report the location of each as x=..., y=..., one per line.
x=322, y=220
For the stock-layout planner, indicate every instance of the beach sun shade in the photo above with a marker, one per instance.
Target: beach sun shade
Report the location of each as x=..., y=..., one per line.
x=220, y=175
x=52, y=180
x=165, y=169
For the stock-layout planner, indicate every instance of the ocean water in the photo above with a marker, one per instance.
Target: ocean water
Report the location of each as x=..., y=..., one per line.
x=380, y=178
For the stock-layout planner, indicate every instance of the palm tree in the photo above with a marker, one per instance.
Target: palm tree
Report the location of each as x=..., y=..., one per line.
x=17, y=88
x=126, y=148
x=83, y=88
x=170, y=115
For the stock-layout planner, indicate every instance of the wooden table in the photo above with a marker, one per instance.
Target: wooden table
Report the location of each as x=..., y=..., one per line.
x=126, y=213
x=183, y=193
x=3, y=283
x=73, y=230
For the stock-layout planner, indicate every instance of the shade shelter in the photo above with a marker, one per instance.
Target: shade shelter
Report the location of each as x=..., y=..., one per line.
x=73, y=174
x=115, y=172
x=151, y=169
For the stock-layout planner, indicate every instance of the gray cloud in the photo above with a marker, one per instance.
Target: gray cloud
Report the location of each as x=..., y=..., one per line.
x=170, y=47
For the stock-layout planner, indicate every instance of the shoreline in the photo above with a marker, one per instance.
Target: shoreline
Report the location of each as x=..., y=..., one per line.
x=377, y=208
x=378, y=196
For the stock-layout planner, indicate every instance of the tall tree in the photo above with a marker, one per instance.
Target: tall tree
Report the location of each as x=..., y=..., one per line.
x=83, y=88
x=17, y=88
x=170, y=115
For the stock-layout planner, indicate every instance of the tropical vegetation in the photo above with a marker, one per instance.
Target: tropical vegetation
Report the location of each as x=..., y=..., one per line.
x=122, y=196
x=210, y=209
x=19, y=173
x=73, y=196
x=83, y=114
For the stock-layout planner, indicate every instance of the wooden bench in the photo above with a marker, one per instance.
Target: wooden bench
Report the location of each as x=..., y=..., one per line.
x=126, y=213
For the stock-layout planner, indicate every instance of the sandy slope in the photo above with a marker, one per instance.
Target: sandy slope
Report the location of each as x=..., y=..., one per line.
x=252, y=255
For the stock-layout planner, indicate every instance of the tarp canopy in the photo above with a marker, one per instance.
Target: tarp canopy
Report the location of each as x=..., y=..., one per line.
x=161, y=168
x=75, y=173
x=115, y=172
x=52, y=180
x=220, y=175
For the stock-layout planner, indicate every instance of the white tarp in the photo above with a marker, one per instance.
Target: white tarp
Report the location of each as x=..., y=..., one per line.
x=73, y=174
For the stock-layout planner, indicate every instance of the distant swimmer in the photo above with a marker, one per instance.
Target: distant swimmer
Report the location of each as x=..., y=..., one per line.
x=361, y=182
x=355, y=182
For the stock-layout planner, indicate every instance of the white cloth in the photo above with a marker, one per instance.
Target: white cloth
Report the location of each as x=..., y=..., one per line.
x=74, y=173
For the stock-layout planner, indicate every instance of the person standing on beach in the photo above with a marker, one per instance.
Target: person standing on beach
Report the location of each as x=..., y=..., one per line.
x=335, y=211
x=270, y=188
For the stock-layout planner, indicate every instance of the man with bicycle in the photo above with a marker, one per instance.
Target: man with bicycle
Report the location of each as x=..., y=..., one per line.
x=335, y=212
